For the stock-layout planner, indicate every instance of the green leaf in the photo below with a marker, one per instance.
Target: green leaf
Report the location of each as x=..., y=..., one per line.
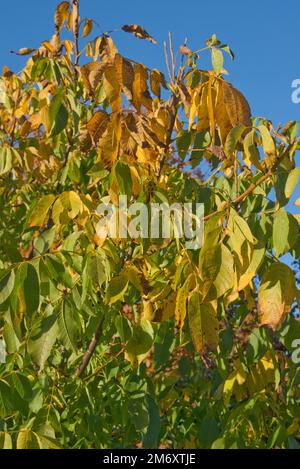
x=42, y=339
x=217, y=60
x=27, y=289
x=267, y=141
x=291, y=182
x=285, y=232
x=151, y=438
x=6, y=399
x=251, y=154
x=278, y=437
x=58, y=115
x=290, y=332
x=6, y=286
x=116, y=289
x=124, y=328
x=122, y=172
x=183, y=142
x=232, y=140
x=67, y=325
x=141, y=340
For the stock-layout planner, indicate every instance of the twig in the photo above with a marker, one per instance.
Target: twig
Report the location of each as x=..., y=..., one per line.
x=173, y=63
x=89, y=353
x=97, y=335
x=248, y=191
x=173, y=106
x=167, y=61
x=75, y=4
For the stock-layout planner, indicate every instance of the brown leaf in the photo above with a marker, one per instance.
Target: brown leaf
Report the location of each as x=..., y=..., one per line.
x=61, y=14
x=157, y=80
x=112, y=88
x=24, y=51
x=138, y=31
x=97, y=125
x=88, y=26
x=184, y=50
x=91, y=74
x=109, y=143
x=105, y=46
x=125, y=75
x=140, y=91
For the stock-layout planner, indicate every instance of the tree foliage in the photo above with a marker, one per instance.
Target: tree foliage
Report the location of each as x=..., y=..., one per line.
x=142, y=342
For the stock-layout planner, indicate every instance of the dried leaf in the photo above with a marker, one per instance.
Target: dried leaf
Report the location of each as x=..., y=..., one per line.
x=88, y=26
x=138, y=31
x=61, y=14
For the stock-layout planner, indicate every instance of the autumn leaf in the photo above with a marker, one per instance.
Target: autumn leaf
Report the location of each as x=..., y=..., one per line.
x=203, y=323
x=61, y=14
x=138, y=31
x=276, y=294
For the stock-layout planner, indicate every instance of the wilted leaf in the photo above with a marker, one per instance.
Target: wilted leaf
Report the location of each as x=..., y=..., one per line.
x=88, y=26
x=138, y=31
x=61, y=14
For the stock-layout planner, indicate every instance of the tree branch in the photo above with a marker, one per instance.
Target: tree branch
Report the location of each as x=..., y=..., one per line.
x=75, y=5
x=248, y=191
x=97, y=335
x=89, y=353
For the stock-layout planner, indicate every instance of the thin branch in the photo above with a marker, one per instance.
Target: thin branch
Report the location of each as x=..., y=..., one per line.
x=167, y=62
x=75, y=5
x=97, y=335
x=173, y=63
x=247, y=192
x=89, y=353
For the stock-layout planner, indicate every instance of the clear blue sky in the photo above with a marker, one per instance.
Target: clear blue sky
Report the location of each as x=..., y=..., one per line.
x=264, y=34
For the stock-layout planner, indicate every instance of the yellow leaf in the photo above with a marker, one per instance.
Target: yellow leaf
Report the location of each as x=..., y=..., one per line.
x=232, y=108
x=181, y=298
x=27, y=439
x=125, y=75
x=97, y=125
x=91, y=75
x=140, y=91
x=112, y=88
x=210, y=108
x=61, y=14
x=157, y=80
x=203, y=323
x=88, y=26
x=66, y=208
x=276, y=294
x=37, y=217
x=5, y=440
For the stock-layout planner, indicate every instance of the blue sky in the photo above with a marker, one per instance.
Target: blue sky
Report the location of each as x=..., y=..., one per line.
x=264, y=34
